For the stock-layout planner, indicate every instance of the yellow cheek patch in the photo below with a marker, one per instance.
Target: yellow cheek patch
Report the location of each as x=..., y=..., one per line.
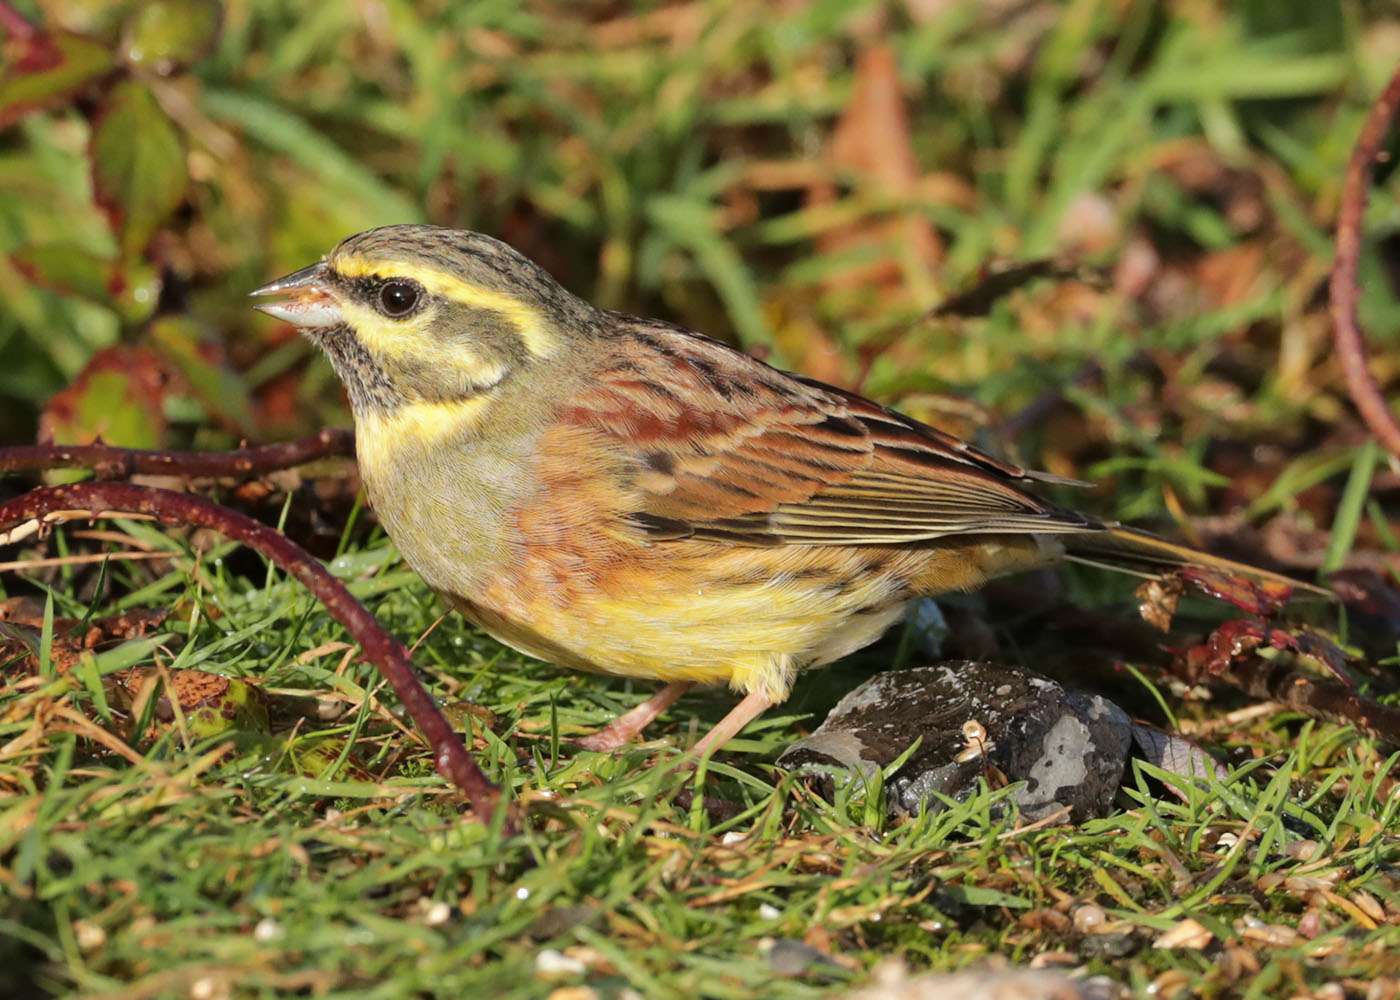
x=410, y=340
x=533, y=330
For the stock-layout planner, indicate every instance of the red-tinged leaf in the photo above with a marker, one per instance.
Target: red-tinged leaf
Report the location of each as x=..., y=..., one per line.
x=118, y=398
x=45, y=70
x=1255, y=597
x=138, y=165
x=67, y=269
x=1239, y=638
x=132, y=286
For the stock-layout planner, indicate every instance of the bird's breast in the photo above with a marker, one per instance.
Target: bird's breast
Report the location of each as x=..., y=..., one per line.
x=447, y=501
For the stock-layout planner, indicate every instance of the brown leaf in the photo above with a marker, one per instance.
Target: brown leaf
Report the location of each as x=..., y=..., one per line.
x=1158, y=600
x=872, y=142
x=211, y=704
x=1187, y=933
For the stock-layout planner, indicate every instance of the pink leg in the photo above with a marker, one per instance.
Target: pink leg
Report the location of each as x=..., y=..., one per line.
x=628, y=726
x=753, y=705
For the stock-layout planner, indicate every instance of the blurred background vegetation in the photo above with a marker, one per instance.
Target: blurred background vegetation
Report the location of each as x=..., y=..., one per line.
x=833, y=185
x=806, y=178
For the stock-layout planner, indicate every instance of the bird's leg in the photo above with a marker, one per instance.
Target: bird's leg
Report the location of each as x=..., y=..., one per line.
x=755, y=703
x=629, y=725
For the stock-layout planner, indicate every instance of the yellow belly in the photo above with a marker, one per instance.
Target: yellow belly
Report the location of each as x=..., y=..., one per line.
x=747, y=617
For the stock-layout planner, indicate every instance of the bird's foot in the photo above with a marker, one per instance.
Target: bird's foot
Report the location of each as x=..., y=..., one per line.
x=628, y=726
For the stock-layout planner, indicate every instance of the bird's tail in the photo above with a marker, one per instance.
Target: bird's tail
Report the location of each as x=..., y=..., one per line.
x=1128, y=550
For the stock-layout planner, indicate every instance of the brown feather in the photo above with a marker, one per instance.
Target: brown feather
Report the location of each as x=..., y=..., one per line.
x=735, y=451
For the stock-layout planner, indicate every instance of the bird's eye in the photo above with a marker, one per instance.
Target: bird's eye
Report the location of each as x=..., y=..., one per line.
x=397, y=298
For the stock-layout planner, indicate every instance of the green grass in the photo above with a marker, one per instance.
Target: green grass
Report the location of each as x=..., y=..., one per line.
x=647, y=159
x=244, y=864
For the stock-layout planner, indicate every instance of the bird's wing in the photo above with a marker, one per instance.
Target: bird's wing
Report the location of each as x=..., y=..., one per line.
x=721, y=446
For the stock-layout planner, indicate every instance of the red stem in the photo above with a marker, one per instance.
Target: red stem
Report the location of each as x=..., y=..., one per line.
x=118, y=463
x=1351, y=347
x=387, y=653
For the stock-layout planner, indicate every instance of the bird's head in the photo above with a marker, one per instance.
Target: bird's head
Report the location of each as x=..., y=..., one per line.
x=415, y=314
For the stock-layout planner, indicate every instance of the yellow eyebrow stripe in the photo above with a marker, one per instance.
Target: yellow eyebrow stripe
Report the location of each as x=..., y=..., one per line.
x=534, y=331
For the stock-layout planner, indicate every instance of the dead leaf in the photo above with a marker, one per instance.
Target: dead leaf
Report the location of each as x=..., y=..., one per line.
x=1186, y=934
x=872, y=142
x=1158, y=600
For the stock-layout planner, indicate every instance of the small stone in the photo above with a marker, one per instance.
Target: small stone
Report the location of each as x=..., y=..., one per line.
x=1109, y=946
x=1301, y=850
x=767, y=911
x=209, y=988
x=559, y=920
x=438, y=914
x=573, y=993
x=787, y=957
x=267, y=930
x=90, y=936
x=552, y=963
x=1089, y=919
x=892, y=981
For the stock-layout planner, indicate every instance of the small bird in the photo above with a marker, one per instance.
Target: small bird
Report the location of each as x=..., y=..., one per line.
x=624, y=496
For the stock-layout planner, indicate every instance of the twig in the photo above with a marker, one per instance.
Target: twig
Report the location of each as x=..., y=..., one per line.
x=83, y=559
x=1260, y=678
x=387, y=653
x=1351, y=347
x=995, y=283
x=117, y=463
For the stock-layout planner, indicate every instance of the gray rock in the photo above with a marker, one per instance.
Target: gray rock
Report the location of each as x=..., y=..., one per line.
x=1066, y=747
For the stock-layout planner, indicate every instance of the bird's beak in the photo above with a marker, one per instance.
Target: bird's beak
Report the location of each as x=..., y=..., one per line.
x=304, y=299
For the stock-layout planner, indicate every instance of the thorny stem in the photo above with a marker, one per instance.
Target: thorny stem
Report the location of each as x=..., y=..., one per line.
x=453, y=760
x=118, y=463
x=1351, y=348
x=1259, y=678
